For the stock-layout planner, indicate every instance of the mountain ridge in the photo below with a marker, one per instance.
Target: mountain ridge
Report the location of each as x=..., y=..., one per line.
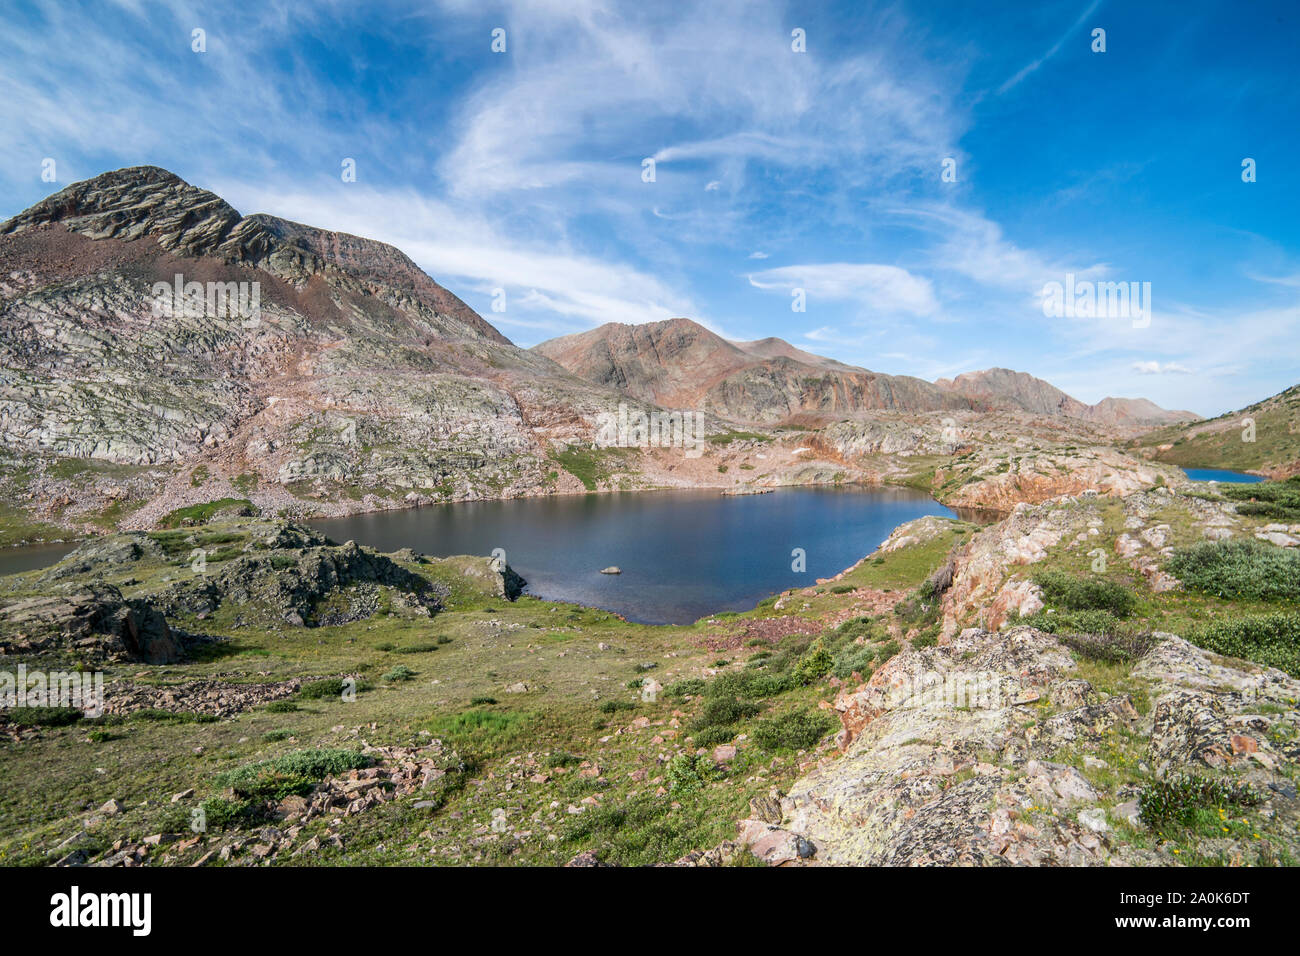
x=682, y=363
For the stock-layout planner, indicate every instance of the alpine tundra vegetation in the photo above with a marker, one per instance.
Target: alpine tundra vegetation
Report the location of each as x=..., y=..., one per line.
x=1101, y=667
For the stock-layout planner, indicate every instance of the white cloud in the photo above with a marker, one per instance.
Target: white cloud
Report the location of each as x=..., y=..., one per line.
x=881, y=288
x=1052, y=51
x=465, y=252
x=1156, y=368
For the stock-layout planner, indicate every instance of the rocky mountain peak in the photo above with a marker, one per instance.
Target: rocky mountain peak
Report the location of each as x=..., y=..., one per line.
x=134, y=202
x=141, y=202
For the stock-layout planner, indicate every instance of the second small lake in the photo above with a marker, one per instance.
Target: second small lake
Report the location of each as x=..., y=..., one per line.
x=1218, y=474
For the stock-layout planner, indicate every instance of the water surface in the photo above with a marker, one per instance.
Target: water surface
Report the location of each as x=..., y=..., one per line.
x=683, y=554
x=32, y=556
x=1217, y=474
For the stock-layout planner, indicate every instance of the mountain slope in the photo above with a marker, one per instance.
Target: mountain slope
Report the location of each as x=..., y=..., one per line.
x=1003, y=388
x=680, y=364
x=1263, y=438
x=360, y=382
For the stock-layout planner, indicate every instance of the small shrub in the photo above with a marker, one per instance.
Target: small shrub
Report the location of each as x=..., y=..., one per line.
x=399, y=673
x=686, y=773
x=687, y=687
x=1114, y=648
x=927, y=638
x=329, y=687
x=417, y=649
x=851, y=658
x=1086, y=594
x=887, y=650
x=814, y=664
x=614, y=706
x=797, y=730
x=271, y=736
x=1279, y=500
x=290, y=773
x=222, y=814
x=712, y=736
x=282, y=707
x=1239, y=569
x=482, y=701
x=1175, y=799
x=725, y=710
x=1269, y=639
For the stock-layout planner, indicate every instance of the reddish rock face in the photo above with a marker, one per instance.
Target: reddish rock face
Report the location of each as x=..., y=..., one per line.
x=680, y=364
x=1004, y=388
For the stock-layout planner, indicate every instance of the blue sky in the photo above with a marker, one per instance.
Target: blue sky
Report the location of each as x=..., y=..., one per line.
x=775, y=169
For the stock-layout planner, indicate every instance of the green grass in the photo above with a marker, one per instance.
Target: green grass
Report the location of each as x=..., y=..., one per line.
x=291, y=773
x=203, y=513
x=1176, y=800
x=1219, y=443
x=591, y=466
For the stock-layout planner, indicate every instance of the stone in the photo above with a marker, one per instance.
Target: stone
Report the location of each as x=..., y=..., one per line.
x=1094, y=819
x=1129, y=813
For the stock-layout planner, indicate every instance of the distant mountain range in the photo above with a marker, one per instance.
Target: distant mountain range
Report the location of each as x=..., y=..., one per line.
x=361, y=383
x=681, y=364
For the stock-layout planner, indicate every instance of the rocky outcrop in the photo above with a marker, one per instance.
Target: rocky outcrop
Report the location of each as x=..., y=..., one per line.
x=317, y=585
x=92, y=622
x=963, y=754
x=999, y=484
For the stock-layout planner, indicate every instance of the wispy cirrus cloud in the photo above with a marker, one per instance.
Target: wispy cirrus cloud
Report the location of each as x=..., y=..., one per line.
x=523, y=170
x=1159, y=368
x=1054, y=49
x=880, y=288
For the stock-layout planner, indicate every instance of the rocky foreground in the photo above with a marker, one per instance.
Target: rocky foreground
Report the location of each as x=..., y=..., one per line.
x=1072, y=684
x=969, y=753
